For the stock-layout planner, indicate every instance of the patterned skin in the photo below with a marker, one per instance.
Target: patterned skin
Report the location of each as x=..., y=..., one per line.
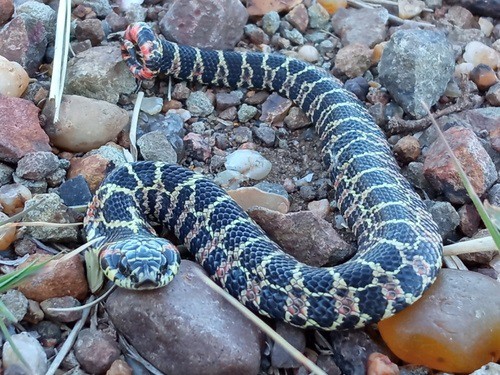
x=399, y=249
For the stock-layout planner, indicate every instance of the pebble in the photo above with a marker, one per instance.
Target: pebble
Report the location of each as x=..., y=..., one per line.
x=7, y=234
x=416, y=67
x=351, y=350
x=37, y=165
x=304, y=235
x=13, y=197
x=5, y=174
x=478, y=53
x=246, y=112
x=445, y=216
x=296, y=119
x=24, y=39
x=318, y=16
x=84, y=123
x=298, y=18
x=50, y=209
x=6, y=11
x=407, y=149
x=261, y=7
x=265, y=134
x=208, y=24
x=64, y=303
x=332, y=6
x=75, y=192
x=99, y=73
x=56, y=279
x=120, y=367
x=32, y=352
x=152, y=105
x=488, y=369
x=380, y=364
x=187, y=321
x=469, y=219
x=410, y=8
x=477, y=164
x=34, y=314
x=90, y=29
x=351, y=25
x=226, y=100
x=281, y=358
x=249, y=163
x=20, y=132
x=309, y=53
x=197, y=147
x=483, y=76
x=256, y=34
x=271, y=22
x=461, y=17
x=95, y=351
x=13, y=78
x=493, y=95
x=229, y=179
x=91, y=167
x=50, y=333
x=16, y=303
x=156, y=146
x=275, y=109
x=354, y=59
x=248, y=197
x=456, y=330
x=198, y=104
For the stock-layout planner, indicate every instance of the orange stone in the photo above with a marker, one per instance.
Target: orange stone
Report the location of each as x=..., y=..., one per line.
x=55, y=279
x=454, y=327
x=332, y=6
x=261, y=7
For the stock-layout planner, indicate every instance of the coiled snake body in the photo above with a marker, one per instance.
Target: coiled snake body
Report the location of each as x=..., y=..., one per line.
x=399, y=251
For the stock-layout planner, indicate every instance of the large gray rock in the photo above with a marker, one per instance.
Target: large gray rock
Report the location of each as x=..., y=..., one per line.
x=187, y=328
x=213, y=24
x=99, y=73
x=416, y=66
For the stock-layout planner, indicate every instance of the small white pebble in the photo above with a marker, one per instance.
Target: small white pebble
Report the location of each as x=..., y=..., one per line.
x=249, y=163
x=410, y=8
x=229, y=179
x=486, y=26
x=308, y=53
x=32, y=351
x=463, y=68
x=152, y=106
x=479, y=53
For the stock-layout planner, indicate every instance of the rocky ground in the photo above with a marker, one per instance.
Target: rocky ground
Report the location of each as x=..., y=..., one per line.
x=445, y=54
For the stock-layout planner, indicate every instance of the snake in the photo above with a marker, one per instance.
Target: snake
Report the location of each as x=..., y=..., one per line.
x=399, y=247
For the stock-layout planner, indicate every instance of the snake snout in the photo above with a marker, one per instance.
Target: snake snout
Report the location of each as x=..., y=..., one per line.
x=140, y=264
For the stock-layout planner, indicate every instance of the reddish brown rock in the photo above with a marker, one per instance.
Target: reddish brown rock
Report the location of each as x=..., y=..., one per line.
x=197, y=147
x=65, y=302
x=261, y=7
x=275, y=109
x=90, y=29
x=93, y=168
x=469, y=219
x=119, y=367
x=484, y=122
x=354, y=59
x=298, y=17
x=95, y=351
x=304, y=235
x=20, y=131
x=6, y=11
x=24, y=40
x=194, y=330
x=55, y=279
x=442, y=174
x=214, y=24
x=407, y=149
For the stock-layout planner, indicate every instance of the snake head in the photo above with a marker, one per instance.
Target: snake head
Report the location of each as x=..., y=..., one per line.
x=140, y=263
x=142, y=51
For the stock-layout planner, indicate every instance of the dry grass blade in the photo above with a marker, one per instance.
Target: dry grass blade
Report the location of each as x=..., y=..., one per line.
x=452, y=261
x=472, y=246
x=263, y=326
x=88, y=304
x=68, y=344
x=61, y=49
x=467, y=184
x=41, y=224
x=78, y=250
x=133, y=126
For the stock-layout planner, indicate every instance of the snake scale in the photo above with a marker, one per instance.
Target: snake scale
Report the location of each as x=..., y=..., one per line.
x=399, y=249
